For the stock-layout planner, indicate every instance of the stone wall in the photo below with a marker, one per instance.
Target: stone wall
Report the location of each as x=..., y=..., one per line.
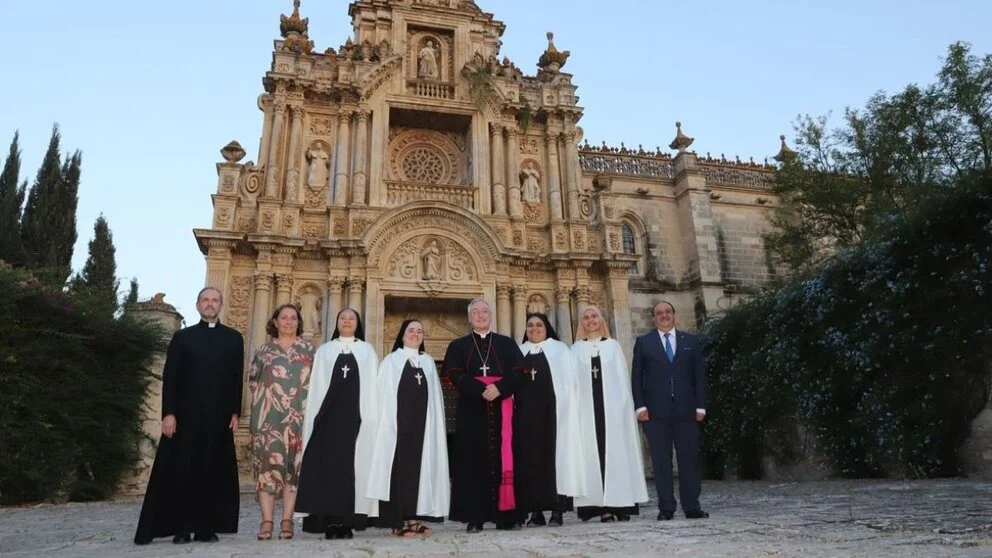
x=741, y=246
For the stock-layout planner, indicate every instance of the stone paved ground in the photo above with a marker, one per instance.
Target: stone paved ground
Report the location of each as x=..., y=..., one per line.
x=831, y=518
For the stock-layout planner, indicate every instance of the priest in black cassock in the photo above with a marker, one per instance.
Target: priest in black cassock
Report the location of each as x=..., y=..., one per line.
x=485, y=368
x=193, y=487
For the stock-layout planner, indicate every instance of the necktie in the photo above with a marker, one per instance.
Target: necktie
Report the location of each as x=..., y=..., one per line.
x=671, y=357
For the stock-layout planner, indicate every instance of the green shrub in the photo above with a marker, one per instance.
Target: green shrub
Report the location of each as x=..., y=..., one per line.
x=881, y=356
x=74, y=384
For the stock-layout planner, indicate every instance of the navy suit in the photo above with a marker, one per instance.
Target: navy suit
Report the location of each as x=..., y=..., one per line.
x=671, y=391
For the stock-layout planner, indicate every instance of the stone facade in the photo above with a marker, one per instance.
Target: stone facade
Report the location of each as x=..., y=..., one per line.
x=412, y=169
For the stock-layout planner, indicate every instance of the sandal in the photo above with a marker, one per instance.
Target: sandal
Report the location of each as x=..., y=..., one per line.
x=608, y=518
x=404, y=533
x=284, y=531
x=263, y=533
x=420, y=529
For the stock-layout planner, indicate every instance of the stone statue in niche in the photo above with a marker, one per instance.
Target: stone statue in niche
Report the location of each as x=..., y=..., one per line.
x=431, y=257
x=317, y=172
x=310, y=309
x=427, y=65
x=530, y=183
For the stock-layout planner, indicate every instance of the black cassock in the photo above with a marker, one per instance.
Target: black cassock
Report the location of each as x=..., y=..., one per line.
x=193, y=487
x=404, y=480
x=476, y=471
x=535, y=427
x=326, y=489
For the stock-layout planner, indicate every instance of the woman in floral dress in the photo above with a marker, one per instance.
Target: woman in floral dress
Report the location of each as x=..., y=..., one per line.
x=278, y=379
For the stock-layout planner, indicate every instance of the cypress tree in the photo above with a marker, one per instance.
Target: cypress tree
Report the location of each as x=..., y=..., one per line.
x=97, y=284
x=48, y=226
x=132, y=296
x=11, y=202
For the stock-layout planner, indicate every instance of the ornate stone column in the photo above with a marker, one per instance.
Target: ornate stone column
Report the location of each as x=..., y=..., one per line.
x=620, y=299
x=499, y=169
x=260, y=316
x=335, y=302
x=356, y=286
x=583, y=298
x=519, y=312
x=284, y=288
x=571, y=175
x=513, y=172
x=554, y=180
x=503, y=316
x=360, y=176
x=218, y=265
x=563, y=314
x=341, y=161
x=293, y=179
x=272, y=170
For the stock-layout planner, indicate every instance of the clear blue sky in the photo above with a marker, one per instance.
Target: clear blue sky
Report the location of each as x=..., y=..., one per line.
x=150, y=91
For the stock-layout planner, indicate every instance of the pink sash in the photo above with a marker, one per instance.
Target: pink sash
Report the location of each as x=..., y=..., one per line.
x=507, y=500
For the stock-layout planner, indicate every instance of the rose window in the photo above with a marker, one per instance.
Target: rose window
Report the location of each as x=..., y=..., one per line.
x=425, y=164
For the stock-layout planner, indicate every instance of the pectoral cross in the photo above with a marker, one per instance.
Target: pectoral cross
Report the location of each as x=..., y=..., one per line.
x=532, y=372
x=595, y=373
x=484, y=369
x=345, y=370
x=418, y=377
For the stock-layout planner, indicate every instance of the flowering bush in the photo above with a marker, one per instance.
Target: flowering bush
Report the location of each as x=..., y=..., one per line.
x=72, y=386
x=881, y=356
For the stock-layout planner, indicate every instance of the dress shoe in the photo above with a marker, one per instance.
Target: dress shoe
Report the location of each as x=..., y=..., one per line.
x=474, y=528
x=696, y=514
x=206, y=537
x=556, y=520
x=537, y=520
x=346, y=533
x=509, y=526
x=332, y=532
x=181, y=538
x=665, y=515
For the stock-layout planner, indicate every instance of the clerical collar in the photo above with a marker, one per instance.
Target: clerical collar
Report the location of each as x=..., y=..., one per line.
x=209, y=324
x=483, y=334
x=410, y=352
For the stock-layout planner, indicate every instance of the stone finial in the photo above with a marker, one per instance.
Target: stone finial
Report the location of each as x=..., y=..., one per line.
x=293, y=23
x=784, y=152
x=681, y=141
x=233, y=152
x=552, y=60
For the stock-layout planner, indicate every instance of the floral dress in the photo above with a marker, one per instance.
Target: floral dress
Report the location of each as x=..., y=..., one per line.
x=278, y=381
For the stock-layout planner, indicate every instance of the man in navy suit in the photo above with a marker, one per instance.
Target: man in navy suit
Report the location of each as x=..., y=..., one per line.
x=669, y=385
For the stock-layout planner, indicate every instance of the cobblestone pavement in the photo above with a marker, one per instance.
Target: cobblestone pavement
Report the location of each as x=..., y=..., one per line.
x=829, y=518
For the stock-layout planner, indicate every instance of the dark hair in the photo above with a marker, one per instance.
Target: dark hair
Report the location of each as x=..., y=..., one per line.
x=359, y=331
x=552, y=334
x=670, y=305
x=205, y=289
x=271, y=327
x=399, y=336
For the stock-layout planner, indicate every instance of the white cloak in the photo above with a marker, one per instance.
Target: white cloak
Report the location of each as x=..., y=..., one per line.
x=570, y=472
x=625, y=484
x=320, y=381
x=434, y=492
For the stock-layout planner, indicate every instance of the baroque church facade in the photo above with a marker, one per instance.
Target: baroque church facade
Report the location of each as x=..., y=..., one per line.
x=412, y=169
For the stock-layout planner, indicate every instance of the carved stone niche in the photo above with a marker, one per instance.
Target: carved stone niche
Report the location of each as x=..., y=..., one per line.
x=310, y=300
x=537, y=303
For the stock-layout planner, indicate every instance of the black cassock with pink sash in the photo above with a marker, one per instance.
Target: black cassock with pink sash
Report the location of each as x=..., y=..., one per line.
x=482, y=487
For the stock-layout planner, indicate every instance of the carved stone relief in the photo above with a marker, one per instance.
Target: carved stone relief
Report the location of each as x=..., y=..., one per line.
x=314, y=228
x=529, y=146
x=321, y=126
x=431, y=258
